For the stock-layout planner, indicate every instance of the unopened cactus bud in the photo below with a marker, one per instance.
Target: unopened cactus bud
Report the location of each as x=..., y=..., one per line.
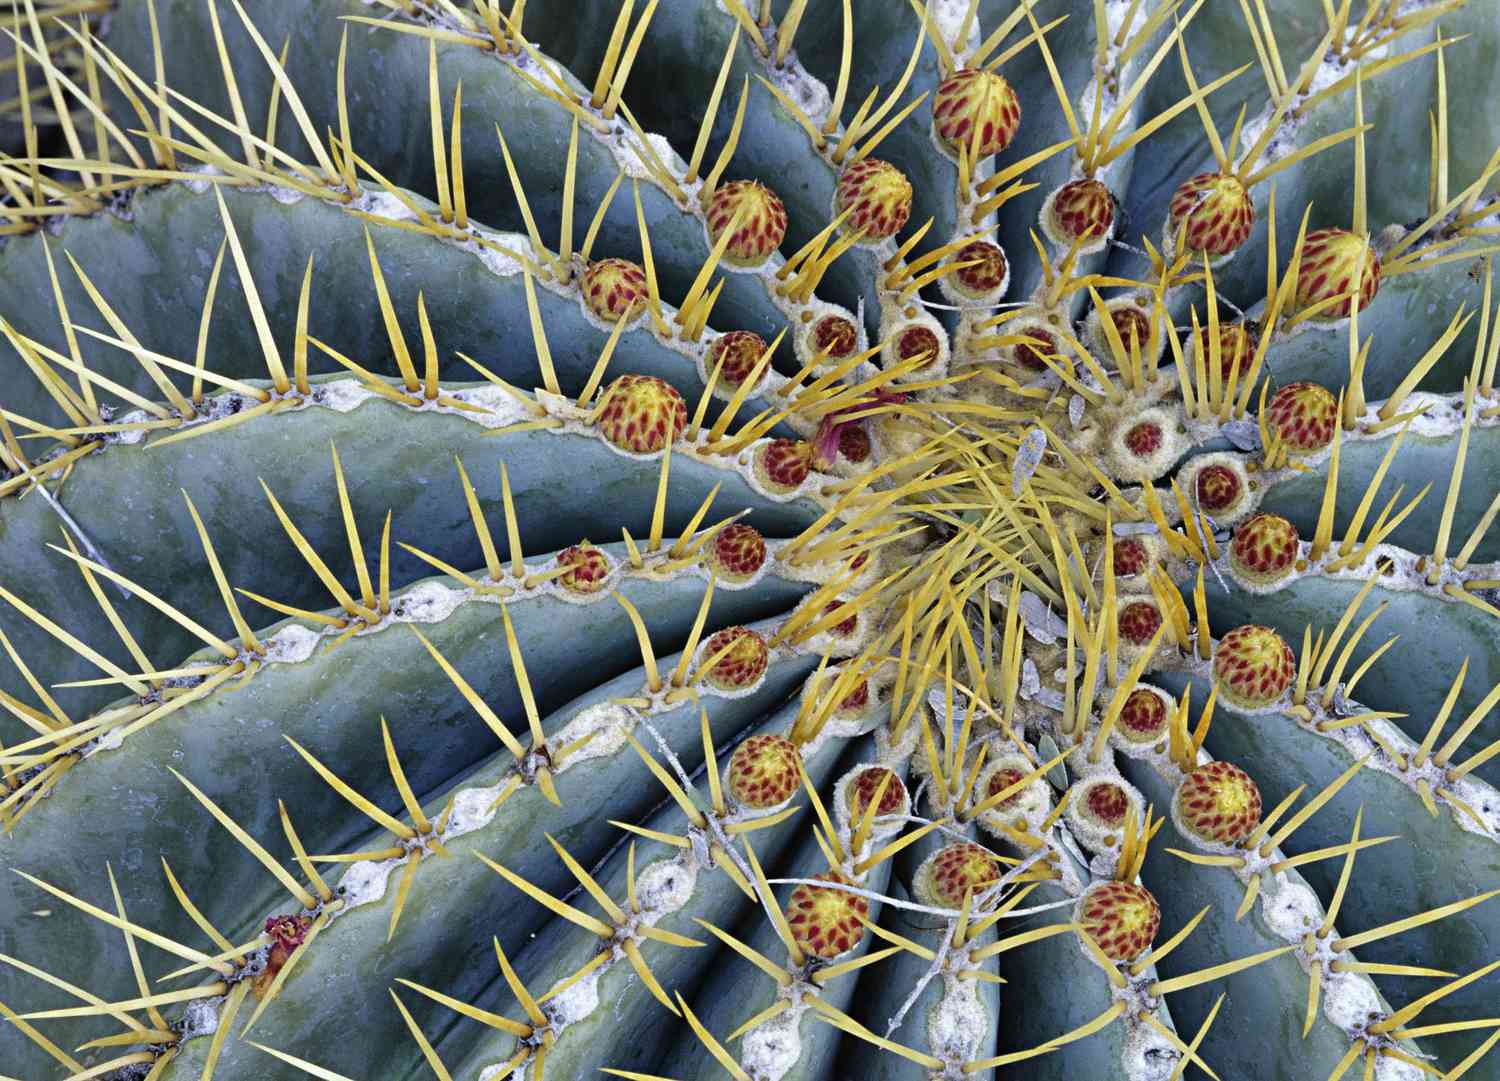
x=760, y=231
x=1138, y=622
x=1143, y=718
x=764, y=771
x=615, y=289
x=1121, y=917
x=864, y=786
x=877, y=196
x=642, y=414
x=983, y=272
x=1334, y=263
x=744, y=663
x=1219, y=803
x=1304, y=416
x=741, y=351
x=1253, y=667
x=783, y=464
x=826, y=922
x=971, y=99
x=737, y=552
x=587, y=568
x=1264, y=549
x=1214, y=213
x=1080, y=210
x=951, y=873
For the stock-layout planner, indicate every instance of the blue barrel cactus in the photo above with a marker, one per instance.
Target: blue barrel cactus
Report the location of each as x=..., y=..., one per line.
x=818, y=539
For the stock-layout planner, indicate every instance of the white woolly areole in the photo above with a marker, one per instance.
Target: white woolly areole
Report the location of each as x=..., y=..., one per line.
x=292, y=644
x=609, y=720
x=958, y=1021
x=342, y=395
x=364, y=882
x=771, y=1049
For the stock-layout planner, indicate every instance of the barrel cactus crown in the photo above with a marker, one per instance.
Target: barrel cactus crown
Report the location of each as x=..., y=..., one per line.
x=780, y=539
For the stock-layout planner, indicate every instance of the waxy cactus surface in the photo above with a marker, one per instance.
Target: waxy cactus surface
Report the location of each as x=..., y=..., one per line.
x=782, y=539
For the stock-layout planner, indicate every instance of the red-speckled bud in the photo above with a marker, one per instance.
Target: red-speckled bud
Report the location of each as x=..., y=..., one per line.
x=1081, y=209
x=1121, y=917
x=744, y=662
x=1218, y=488
x=763, y=771
x=587, y=568
x=737, y=552
x=1215, y=212
x=741, y=350
x=643, y=414
x=1331, y=265
x=1253, y=667
x=877, y=196
x=1264, y=549
x=970, y=99
x=760, y=230
x=826, y=922
x=615, y=288
x=1219, y=803
x=959, y=869
x=864, y=786
x=1304, y=415
x=783, y=464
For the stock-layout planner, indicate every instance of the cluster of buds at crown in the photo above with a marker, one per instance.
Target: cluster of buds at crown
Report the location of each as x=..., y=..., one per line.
x=1212, y=213
x=737, y=657
x=1304, y=416
x=586, y=569
x=764, y=772
x=735, y=355
x=1082, y=212
x=1335, y=265
x=826, y=922
x=1121, y=917
x=642, y=414
x=1264, y=549
x=1219, y=803
x=761, y=221
x=615, y=289
x=782, y=465
x=975, y=111
x=877, y=197
x=737, y=553
x=1253, y=667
